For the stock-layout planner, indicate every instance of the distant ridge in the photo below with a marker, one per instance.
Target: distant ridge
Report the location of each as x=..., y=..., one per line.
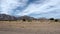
x=6, y=17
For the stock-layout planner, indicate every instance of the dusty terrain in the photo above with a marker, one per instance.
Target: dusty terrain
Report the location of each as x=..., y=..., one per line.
x=35, y=27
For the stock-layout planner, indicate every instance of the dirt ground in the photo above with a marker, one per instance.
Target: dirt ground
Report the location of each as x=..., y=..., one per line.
x=30, y=28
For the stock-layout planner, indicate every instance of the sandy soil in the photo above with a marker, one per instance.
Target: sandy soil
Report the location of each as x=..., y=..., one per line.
x=30, y=28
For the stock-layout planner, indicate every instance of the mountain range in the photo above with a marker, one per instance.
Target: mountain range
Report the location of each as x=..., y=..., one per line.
x=5, y=17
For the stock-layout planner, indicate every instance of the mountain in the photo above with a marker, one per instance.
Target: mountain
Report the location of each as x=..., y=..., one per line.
x=26, y=18
x=42, y=18
x=7, y=17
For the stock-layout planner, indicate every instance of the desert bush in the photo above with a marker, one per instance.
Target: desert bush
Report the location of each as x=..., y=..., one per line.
x=23, y=19
x=29, y=20
x=56, y=20
x=51, y=19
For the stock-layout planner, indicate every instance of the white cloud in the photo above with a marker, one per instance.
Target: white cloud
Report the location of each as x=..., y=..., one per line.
x=8, y=5
x=47, y=6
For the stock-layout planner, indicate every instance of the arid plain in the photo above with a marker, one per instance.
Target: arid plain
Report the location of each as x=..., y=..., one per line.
x=33, y=27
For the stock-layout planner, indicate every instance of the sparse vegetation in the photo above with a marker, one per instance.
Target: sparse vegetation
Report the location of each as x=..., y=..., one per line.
x=29, y=20
x=23, y=24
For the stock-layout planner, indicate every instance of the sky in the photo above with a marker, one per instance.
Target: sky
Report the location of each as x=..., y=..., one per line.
x=34, y=8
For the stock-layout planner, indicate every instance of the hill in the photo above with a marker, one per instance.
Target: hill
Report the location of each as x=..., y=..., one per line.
x=4, y=17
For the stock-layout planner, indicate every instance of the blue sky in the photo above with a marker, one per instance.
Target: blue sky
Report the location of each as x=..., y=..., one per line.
x=34, y=8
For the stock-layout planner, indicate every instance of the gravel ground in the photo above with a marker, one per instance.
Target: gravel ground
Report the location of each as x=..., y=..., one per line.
x=30, y=31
